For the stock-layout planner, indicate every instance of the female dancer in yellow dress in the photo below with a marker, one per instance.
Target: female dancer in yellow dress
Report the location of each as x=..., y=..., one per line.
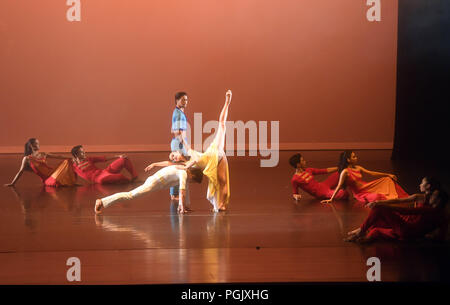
x=213, y=162
x=36, y=161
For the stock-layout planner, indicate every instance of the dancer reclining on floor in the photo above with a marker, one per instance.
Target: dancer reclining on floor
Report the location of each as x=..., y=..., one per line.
x=394, y=219
x=364, y=192
x=86, y=169
x=36, y=161
x=304, y=178
x=162, y=179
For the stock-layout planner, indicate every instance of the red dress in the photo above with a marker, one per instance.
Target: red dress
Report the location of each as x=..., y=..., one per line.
x=320, y=190
x=63, y=175
x=406, y=223
x=379, y=189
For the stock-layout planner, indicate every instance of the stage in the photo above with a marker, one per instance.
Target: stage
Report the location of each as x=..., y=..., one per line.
x=265, y=236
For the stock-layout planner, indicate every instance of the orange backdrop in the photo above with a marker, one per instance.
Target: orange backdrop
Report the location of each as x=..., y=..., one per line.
x=317, y=66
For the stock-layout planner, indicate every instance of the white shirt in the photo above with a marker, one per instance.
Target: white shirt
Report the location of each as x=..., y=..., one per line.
x=171, y=176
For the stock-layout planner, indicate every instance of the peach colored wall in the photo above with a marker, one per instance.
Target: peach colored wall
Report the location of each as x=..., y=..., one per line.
x=317, y=66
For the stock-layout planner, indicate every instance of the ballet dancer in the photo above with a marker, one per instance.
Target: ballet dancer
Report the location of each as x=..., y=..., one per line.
x=364, y=192
x=36, y=161
x=86, y=169
x=162, y=179
x=395, y=219
x=213, y=162
x=304, y=178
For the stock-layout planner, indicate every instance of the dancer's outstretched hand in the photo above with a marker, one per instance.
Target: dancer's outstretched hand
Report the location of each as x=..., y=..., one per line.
x=297, y=197
x=149, y=168
x=393, y=177
x=326, y=201
x=8, y=184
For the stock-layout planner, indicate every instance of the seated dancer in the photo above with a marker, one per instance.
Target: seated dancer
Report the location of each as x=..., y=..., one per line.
x=86, y=169
x=393, y=219
x=36, y=161
x=213, y=162
x=304, y=178
x=162, y=179
x=364, y=192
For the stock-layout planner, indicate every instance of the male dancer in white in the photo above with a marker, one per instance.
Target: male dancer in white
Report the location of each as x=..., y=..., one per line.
x=164, y=178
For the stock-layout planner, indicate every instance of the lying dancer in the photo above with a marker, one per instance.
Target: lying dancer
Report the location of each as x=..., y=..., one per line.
x=162, y=179
x=400, y=222
x=86, y=169
x=213, y=162
x=36, y=161
x=304, y=178
x=364, y=192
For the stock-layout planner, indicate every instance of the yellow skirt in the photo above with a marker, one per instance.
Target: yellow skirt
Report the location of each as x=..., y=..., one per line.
x=209, y=162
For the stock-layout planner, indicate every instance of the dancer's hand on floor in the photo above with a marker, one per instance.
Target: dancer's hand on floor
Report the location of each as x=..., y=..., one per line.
x=326, y=201
x=8, y=184
x=297, y=197
x=371, y=204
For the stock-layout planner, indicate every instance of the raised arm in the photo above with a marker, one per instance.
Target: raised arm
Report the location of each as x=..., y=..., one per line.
x=378, y=174
x=19, y=173
x=342, y=178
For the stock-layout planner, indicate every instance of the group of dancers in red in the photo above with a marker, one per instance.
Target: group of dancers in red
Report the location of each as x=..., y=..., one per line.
x=394, y=214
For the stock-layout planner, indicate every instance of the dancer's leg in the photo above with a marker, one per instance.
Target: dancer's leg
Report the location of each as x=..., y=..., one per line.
x=220, y=136
x=223, y=182
x=107, y=178
x=117, y=165
x=151, y=184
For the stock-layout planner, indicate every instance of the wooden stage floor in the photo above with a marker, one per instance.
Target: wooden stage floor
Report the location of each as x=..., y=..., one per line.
x=264, y=237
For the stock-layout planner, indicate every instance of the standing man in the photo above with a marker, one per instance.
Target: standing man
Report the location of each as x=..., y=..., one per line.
x=179, y=128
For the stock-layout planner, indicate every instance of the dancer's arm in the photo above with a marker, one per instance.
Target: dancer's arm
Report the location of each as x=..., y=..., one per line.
x=342, y=178
x=389, y=202
x=19, y=173
x=53, y=156
x=332, y=169
x=159, y=164
x=378, y=174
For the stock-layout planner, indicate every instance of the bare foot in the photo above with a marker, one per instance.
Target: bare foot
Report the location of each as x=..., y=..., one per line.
x=98, y=206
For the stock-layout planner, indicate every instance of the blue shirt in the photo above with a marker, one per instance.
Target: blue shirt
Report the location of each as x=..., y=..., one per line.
x=179, y=121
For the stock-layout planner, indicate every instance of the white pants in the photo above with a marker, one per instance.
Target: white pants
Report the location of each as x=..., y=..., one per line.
x=151, y=184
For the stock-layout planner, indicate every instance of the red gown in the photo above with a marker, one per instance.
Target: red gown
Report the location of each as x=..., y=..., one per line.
x=63, y=175
x=401, y=224
x=320, y=190
x=379, y=189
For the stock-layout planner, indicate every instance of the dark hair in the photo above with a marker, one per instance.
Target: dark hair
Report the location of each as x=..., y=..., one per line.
x=75, y=150
x=343, y=163
x=196, y=174
x=294, y=160
x=435, y=186
x=179, y=95
x=29, y=146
